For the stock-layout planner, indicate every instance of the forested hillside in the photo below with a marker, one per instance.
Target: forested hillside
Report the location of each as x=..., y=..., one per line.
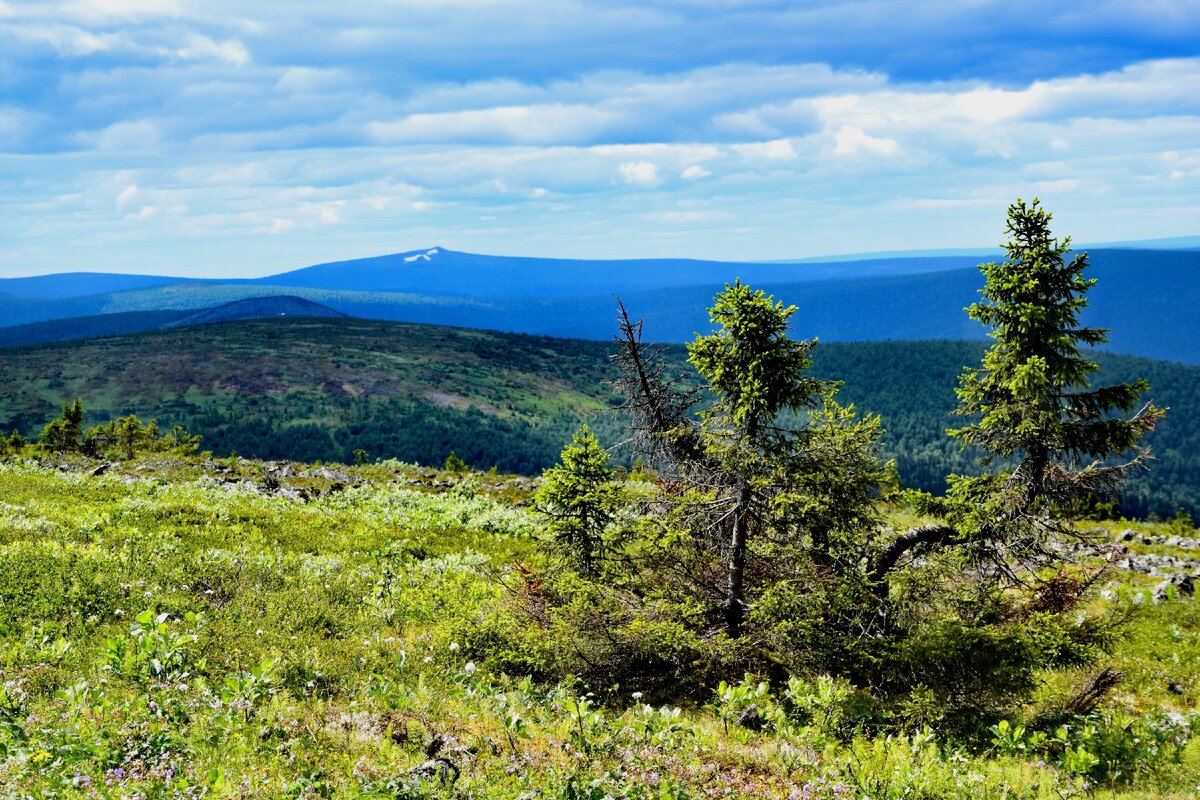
x=320, y=389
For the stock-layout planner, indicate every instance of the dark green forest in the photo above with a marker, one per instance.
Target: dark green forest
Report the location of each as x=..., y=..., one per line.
x=319, y=389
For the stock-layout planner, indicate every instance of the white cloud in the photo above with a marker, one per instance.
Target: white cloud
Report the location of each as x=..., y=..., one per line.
x=102, y=10
x=127, y=196
x=546, y=124
x=639, y=173
x=853, y=141
x=776, y=150
x=136, y=135
x=690, y=216
x=694, y=172
x=1182, y=165
x=143, y=213
x=70, y=40
x=199, y=48
x=307, y=80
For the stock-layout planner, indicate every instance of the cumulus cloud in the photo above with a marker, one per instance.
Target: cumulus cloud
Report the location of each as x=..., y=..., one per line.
x=851, y=141
x=547, y=124
x=775, y=150
x=639, y=173
x=329, y=130
x=200, y=47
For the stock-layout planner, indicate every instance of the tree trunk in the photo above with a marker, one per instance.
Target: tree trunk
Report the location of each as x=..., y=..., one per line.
x=933, y=534
x=735, y=600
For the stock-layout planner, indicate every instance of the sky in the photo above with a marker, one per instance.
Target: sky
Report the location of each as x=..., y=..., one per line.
x=242, y=138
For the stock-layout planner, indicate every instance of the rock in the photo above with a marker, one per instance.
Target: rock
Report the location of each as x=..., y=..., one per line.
x=101, y=469
x=1128, y=535
x=1183, y=586
x=1174, y=688
x=751, y=719
x=441, y=768
x=435, y=744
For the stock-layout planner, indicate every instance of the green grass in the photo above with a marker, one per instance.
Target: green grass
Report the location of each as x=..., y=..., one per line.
x=341, y=638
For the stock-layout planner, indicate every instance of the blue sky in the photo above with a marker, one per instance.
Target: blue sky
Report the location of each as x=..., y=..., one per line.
x=236, y=138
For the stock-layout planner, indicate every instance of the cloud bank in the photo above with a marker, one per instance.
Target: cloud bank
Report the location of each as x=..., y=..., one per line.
x=223, y=138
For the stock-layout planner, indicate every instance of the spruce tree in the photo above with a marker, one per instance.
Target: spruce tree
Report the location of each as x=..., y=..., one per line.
x=580, y=498
x=1059, y=442
x=756, y=370
x=63, y=433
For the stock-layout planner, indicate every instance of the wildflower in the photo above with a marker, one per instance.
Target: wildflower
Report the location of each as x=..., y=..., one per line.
x=453, y=646
x=469, y=668
x=637, y=695
x=40, y=756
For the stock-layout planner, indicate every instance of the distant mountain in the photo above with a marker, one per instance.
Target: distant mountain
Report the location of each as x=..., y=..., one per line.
x=122, y=322
x=446, y=272
x=1147, y=297
x=320, y=388
x=75, y=284
x=257, y=308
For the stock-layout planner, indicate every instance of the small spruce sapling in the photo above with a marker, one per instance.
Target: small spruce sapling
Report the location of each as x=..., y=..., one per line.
x=580, y=499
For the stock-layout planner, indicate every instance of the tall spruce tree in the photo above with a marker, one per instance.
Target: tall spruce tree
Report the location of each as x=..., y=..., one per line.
x=749, y=483
x=755, y=371
x=1061, y=441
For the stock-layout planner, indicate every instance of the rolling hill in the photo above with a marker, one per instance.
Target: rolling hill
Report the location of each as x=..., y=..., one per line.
x=319, y=388
x=138, y=321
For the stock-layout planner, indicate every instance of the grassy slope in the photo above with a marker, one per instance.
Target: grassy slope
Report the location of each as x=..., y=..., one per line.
x=364, y=603
x=318, y=389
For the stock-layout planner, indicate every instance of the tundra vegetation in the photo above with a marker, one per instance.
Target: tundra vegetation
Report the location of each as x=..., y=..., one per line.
x=755, y=609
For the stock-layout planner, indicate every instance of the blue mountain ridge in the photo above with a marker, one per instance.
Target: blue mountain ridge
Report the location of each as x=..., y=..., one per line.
x=1147, y=297
x=439, y=271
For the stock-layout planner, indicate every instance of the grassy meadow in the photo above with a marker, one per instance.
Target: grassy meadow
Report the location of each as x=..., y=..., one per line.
x=178, y=627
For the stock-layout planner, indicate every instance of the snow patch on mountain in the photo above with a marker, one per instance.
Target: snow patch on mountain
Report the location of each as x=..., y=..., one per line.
x=426, y=256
